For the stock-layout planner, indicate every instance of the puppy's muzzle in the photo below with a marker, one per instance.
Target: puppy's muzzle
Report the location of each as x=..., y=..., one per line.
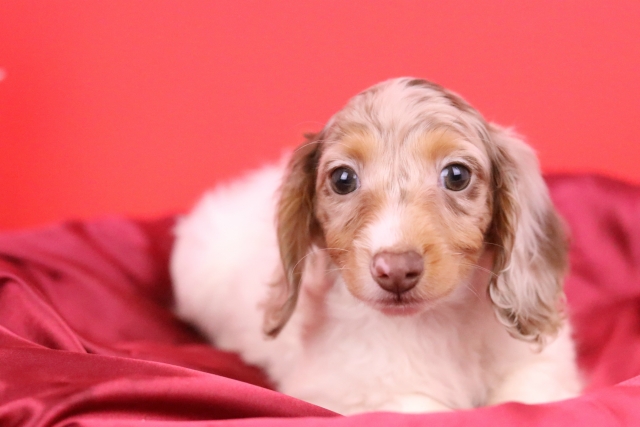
x=397, y=272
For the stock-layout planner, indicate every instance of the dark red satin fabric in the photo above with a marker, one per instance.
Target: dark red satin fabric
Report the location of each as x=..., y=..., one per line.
x=87, y=336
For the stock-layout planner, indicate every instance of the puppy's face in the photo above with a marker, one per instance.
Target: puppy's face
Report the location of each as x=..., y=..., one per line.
x=404, y=211
x=404, y=188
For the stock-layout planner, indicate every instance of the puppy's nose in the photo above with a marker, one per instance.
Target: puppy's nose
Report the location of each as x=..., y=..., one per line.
x=397, y=272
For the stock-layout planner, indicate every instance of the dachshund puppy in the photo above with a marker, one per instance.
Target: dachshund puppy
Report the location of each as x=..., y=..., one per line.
x=407, y=258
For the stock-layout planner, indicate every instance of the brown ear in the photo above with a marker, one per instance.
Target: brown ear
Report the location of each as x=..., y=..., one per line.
x=297, y=229
x=529, y=243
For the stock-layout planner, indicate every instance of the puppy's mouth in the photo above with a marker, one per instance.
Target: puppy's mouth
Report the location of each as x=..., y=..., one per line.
x=400, y=305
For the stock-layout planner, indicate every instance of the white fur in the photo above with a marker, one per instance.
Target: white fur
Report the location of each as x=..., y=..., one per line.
x=337, y=351
x=385, y=232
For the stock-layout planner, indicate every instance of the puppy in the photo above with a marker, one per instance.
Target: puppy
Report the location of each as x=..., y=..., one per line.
x=407, y=258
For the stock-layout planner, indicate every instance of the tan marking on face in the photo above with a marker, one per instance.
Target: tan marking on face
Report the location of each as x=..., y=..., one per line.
x=403, y=176
x=344, y=228
x=358, y=143
x=443, y=142
x=438, y=143
x=343, y=217
x=444, y=146
x=449, y=243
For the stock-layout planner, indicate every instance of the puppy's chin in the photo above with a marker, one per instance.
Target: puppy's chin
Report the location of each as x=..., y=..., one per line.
x=394, y=308
x=403, y=305
x=410, y=303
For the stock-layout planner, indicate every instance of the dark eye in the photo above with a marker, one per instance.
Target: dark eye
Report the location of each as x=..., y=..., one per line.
x=344, y=180
x=455, y=177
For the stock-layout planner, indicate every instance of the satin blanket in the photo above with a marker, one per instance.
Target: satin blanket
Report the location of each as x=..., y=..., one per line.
x=87, y=335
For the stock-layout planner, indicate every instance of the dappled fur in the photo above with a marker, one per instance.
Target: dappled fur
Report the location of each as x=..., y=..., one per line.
x=297, y=228
x=530, y=255
x=280, y=255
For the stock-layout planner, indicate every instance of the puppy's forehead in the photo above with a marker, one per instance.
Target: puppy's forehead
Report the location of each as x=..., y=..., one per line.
x=405, y=103
x=366, y=144
x=402, y=112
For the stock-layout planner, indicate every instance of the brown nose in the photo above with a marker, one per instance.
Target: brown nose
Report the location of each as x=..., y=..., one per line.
x=397, y=272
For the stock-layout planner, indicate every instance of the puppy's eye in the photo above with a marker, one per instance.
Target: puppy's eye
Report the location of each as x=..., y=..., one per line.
x=344, y=180
x=455, y=177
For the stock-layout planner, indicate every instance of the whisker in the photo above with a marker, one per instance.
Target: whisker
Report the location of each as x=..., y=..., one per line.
x=307, y=143
x=314, y=251
x=331, y=249
x=320, y=141
x=331, y=270
x=470, y=264
x=473, y=291
x=480, y=268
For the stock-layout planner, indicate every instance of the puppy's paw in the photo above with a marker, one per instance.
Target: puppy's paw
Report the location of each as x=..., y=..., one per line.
x=414, y=403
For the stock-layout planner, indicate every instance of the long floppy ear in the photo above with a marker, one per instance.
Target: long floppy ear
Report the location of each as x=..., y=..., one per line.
x=530, y=243
x=297, y=229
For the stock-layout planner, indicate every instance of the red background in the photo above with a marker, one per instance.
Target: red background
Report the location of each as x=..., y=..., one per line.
x=137, y=107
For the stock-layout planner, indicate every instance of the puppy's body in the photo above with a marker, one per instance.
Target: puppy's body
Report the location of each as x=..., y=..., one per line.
x=454, y=341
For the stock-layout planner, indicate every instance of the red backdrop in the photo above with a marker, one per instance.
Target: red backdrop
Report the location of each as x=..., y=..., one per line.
x=137, y=107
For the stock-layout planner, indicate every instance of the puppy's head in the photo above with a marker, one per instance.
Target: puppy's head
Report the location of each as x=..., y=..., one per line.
x=406, y=188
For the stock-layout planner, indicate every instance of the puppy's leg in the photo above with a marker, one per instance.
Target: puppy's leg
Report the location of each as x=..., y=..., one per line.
x=534, y=383
x=544, y=377
x=538, y=382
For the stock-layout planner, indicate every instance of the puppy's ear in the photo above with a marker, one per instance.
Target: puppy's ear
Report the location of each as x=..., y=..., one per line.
x=529, y=243
x=297, y=229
